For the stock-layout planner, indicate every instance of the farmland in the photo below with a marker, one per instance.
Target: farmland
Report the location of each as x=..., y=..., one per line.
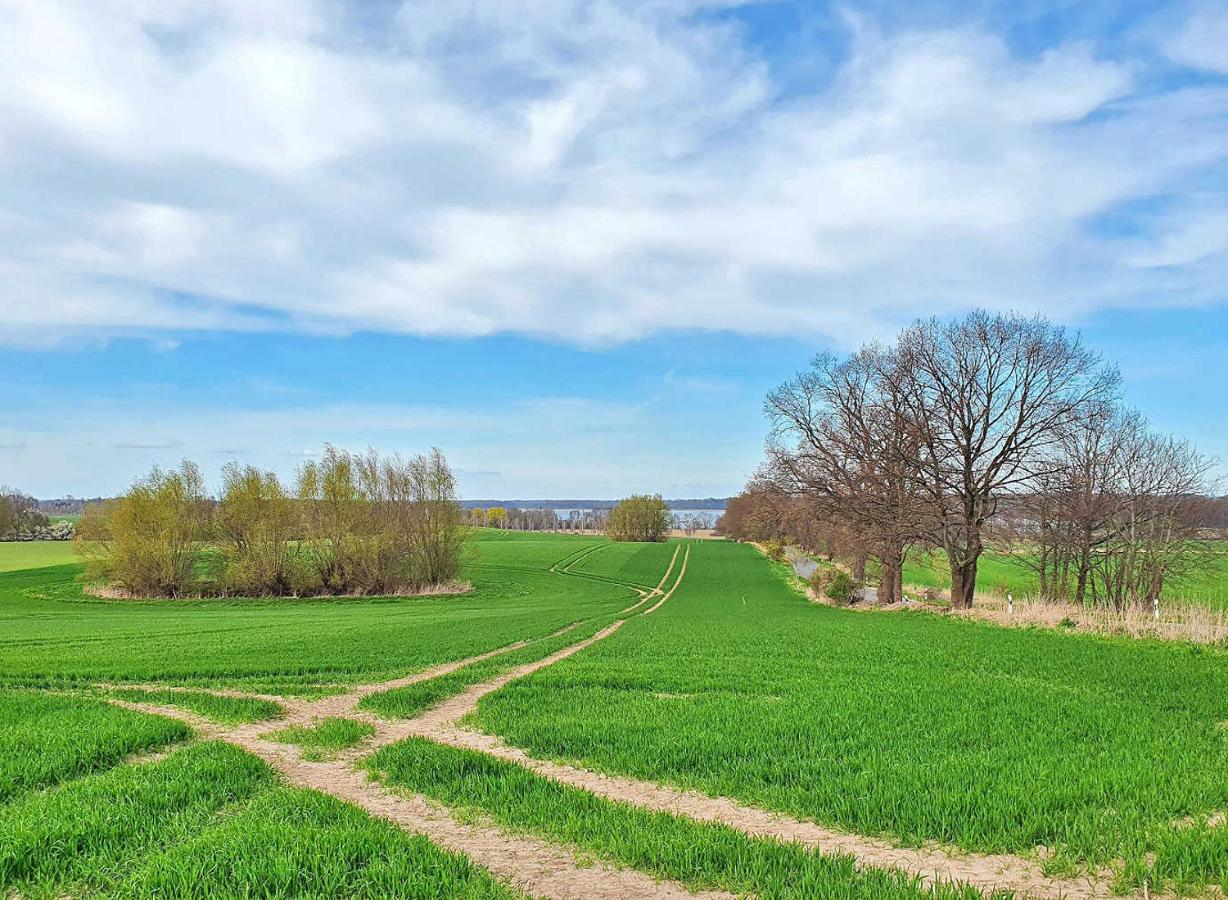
x=195, y=747
x=1207, y=586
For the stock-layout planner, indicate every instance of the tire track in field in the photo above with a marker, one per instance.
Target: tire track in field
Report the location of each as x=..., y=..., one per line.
x=933, y=864
x=538, y=867
x=441, y=723
x=681, y=572
x=656, y=591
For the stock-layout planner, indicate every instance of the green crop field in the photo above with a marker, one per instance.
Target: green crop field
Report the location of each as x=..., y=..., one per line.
x=897, y=729
x=17, y=555
x=904, y=725
x=1209, y=585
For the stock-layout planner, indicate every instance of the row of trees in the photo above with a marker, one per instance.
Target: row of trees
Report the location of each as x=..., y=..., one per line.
x=958, y=428
x=19, y=514
x=350, y=524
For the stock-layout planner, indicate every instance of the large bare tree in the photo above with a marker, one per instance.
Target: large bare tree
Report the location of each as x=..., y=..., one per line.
x=987, y=397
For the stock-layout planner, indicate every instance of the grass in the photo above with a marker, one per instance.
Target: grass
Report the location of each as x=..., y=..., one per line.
x=701, y=855
x=298, y=843
x=227, y=710
x=907, y=725
x=413, y=699
x=324, y=738
x=1001, y=570
x=52, y=635
x=18, y=555
x=211, y=821
x=89, y=832
x=48, y=738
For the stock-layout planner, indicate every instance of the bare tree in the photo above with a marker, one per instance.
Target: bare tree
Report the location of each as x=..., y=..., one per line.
x=987, y=397
x=839, y=440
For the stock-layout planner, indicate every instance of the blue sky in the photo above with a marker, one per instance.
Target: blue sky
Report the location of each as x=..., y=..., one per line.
x=573, y=243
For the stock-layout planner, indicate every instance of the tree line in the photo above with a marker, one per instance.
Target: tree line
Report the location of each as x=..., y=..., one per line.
x=350, y=524
x=19, y=514
x=991, y=428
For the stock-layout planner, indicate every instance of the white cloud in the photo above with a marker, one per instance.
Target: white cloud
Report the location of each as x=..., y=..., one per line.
x=1202, y=42
x=591, y=171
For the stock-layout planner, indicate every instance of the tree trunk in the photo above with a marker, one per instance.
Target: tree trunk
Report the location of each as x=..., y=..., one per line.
x=886, y=585
x=963, y=583
x=859, y=568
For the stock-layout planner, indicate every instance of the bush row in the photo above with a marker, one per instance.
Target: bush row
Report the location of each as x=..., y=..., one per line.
x=351, y=524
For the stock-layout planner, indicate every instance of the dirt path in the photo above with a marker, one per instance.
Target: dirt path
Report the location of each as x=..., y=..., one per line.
x=545, y=870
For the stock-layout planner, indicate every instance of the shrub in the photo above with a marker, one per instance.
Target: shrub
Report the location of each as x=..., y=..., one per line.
x=356, y=525
x=775, y=550
x=149, y=540
x=256, y=524
x=642, y=517
x=841, y=588
x=821, y=579
x=1001, y=589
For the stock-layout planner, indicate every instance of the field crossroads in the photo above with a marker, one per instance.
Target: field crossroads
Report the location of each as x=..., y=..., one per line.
x=747, y=741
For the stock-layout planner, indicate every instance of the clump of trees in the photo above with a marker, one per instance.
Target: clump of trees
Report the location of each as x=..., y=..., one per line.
x=957, y=428
x=19, y=514
x=642, y=517
x=351, y=524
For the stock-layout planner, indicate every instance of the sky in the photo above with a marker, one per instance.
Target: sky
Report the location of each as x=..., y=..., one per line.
x=574, y=243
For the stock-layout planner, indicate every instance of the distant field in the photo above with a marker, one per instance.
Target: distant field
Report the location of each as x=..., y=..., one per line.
x=930, y=570
x=16, y=555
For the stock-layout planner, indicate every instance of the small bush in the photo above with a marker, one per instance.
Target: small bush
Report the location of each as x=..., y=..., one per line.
x=1001, y=589
x=775, y=550
x=841, y=588
x=821, y=579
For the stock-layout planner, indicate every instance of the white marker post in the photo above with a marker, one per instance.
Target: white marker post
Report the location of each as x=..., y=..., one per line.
x=1155, y=608
x=1010, y=604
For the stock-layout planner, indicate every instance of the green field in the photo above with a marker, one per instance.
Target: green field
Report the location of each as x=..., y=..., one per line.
x=17, y=555
x=905, y=728
x=903, y=725
x=995, y=571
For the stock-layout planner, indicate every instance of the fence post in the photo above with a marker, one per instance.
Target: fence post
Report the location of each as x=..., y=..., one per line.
x=1010, y=604
x=1155, y=608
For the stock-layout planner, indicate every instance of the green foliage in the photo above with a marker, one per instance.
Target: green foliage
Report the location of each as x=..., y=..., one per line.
x=324, y=737
x=739, y=688
x=774, y=550
x=48, y=738
x=701, y=855
x=841, y=587
x=148, y=541
x=357, y=525
x=257, y=526
x=227, y=710
x=642, y=517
